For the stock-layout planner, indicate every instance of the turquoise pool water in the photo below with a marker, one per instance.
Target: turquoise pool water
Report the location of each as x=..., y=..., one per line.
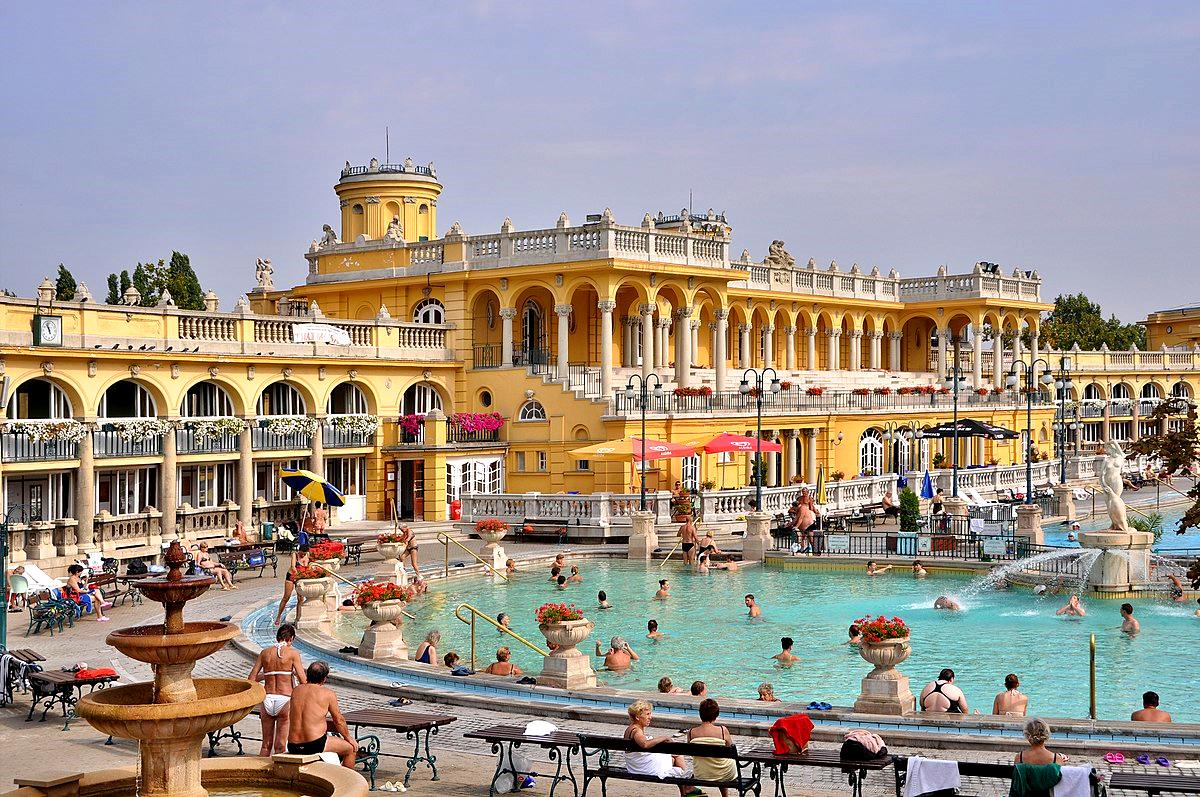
x=1056, y=533
x=709, y=637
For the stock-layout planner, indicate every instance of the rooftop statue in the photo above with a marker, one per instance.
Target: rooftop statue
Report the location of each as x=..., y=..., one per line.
x=778, y=257
x=263, y=272
x=395, y=230
x=328, y=236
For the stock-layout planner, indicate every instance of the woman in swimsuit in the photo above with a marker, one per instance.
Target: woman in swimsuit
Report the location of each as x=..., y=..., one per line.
x=410, y=549
x=206, y=562
x=502, y=665
x=1037, y=733
x=644, y=762
x=279, y=668
x=299, y=559
x=427, y=653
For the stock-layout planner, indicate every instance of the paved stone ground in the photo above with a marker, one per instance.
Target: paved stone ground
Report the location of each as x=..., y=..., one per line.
x=40, y=748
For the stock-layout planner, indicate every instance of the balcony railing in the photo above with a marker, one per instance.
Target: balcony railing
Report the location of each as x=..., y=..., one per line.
x=455, y=433
x=800, y=401
x=335, y=437
x=110, y=443
x=187, y=441
x=263, y=439
x=487, y=355
x=17, y=447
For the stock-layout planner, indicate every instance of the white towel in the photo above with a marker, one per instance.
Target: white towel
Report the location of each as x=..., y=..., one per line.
x=927, y=775
x=1075, y=783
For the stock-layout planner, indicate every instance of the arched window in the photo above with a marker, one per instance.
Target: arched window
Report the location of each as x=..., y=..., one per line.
x=281, y=399
x=1181, y=390
x=870, y=452
x=1093, y=392
x=419, y=399
x=532, y=411
x=347, y=399
x=1121, y=391
x=429, y=311
x=127, y=399
x=1151, y=391
x=206, y=400
x=39, y=399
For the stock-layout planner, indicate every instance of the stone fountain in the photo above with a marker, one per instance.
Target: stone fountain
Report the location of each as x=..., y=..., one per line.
x=170, y=716
x=1124, y=561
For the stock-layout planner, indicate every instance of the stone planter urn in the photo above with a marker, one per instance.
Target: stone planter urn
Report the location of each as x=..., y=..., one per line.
x=391, y=550
x=391, y=569
x=491, y=539
x=332, y=565
x=567, y=667
x=385, y=638
x=313, y=608
x=885, y=690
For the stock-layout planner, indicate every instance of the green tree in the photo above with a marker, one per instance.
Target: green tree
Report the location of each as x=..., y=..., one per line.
x=183, y=284
x=125, y=283
x=910, y=510
x=64, y=285
x=1077, y=319
x=114, y=291
x=148, y=282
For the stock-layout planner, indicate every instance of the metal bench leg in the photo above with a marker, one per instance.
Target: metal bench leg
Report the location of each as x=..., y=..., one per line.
x=417, y=758
x=498, y=749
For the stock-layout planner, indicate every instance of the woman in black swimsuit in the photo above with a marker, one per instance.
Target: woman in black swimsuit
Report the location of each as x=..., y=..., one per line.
x=299, y=559
x=952, y=700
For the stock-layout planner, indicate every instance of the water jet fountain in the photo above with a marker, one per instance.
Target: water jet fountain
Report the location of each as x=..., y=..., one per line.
x=171, y=715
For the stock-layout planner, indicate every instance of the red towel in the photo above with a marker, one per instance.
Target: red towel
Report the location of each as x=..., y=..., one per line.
x=791, y=734
x=98, y=672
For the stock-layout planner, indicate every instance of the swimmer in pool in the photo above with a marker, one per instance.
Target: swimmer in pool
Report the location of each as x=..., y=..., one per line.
x=1073, y=608
x=948, y=603
x=855, y=636
x=1129, y=623
x=785, y=657
x=652, y=630
x=874, y=569
x=1176, y=589
x=664, y=590
x=755, y=611
x=918, y=570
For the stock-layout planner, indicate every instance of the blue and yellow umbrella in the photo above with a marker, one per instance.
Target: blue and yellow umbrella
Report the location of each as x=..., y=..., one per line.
x=821, y=497
x=312, y=486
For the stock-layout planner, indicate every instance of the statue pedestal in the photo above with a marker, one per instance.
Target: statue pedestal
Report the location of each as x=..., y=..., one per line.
x=1124, y=563
x=885, y=690
x=956, y=506
x=644, y=539
x=499, y=560
x=1064, y=496
x=758, y=537
x=1029, y=524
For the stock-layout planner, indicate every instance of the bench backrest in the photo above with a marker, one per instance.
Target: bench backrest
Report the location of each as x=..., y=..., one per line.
x=977, y=769
x=620, y=744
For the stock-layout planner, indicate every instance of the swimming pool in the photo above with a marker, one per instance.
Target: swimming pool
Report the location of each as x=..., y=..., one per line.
x=709, y=637
x=1056, y=533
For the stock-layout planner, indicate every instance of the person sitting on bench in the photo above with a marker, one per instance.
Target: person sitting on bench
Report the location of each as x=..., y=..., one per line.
x=709, y=732
x=642, y=762
x=206, y=562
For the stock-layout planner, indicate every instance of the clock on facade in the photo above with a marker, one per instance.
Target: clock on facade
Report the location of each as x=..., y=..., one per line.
x=47, y=330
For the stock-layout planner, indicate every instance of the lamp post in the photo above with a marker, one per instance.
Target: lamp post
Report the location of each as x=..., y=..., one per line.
x=759, y=377
x=643, y=394
x=1064, y=385
x=954, y=380
x=1027, y=368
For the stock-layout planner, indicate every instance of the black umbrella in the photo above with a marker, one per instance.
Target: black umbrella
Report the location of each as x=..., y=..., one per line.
x=969, y=427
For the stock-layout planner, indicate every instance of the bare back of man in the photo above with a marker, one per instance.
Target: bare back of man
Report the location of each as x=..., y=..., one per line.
x=313, y=707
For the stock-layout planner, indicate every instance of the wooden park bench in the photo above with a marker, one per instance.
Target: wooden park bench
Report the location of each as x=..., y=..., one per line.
x=777, y=765
x=18, y=665
x=250, y=559
x=598, y=750
x=116, y=589
x=974, y=769
x=561, y=746
x=554, y=529
x=1153, y=784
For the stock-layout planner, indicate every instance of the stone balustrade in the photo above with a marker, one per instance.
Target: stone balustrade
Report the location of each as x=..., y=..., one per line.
x=206, y=523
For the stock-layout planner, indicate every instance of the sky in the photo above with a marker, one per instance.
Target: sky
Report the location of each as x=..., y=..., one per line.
x=1057, y=136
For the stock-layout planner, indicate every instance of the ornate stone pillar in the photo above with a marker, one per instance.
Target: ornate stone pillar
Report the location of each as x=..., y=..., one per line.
x=1033, y=355
x=85, y=492
x=1106, y=423
x=772, y=457
x=943, y=336
x=317, y=459
x=894, y=351
x=647, y=312
x=695, y=341
x=507, y=314
x=789, y=454
x=876, y=351
x=606, y=334
x=1135, y=424
x=168, y=499
x=743, y=345
x=810, y=456
x=627, y=345
x=977, y=357
x=722, y=317
x=789, y=354
x=810, y=363
x=683, y=341
x=856, y=349
x=662, y=347
x=998, y=370
x=563, y=311
x=833, y=355
x=768, y=347
x=245, y=474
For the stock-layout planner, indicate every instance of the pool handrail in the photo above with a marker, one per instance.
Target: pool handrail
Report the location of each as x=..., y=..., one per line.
x=471, y=622
x=663, y=563
x=445, y=539
x=351, y=584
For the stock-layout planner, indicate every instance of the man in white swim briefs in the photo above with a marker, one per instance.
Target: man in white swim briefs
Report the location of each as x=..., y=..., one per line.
x=279, y=668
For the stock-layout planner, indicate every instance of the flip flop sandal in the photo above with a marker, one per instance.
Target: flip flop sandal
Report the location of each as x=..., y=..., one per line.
x=1143, y=759
x=823, y=706
x=1114, y=758
x=1162, y=762
x=813, y=706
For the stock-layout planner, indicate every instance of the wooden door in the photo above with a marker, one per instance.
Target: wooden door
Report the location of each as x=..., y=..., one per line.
x=418, y=483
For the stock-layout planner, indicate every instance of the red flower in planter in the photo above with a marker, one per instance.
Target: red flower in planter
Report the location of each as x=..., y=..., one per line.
x=878, y=629
x=557, y=613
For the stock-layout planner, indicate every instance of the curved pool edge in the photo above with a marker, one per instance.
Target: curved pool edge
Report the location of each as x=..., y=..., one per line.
x=747, y=717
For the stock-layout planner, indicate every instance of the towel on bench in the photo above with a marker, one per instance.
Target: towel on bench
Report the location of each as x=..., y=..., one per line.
x=97, y=672
x=931, y=776
x=1076, y=782
x=791, y=734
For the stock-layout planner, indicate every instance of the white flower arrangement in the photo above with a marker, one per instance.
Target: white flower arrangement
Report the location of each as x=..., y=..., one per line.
x=359, y=425
x=62, y=430
x=216, y=428
x=139, y=430
x=292, y=424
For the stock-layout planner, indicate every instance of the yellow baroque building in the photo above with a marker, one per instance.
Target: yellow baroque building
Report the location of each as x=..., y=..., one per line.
x=427, y=375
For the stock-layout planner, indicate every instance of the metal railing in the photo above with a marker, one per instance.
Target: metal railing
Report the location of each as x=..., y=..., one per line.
x=446, y=540
x=110, y=443
x=487, y=355
x=471, y=622
x=18, y=447
x=455, y=433
x=187, y=441
x=800, y=400
x=335, y=437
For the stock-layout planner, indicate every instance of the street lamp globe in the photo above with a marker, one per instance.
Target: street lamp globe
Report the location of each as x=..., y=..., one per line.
x=775, y=386
x=658, y=391
x=1011, y=381
x=744, y=387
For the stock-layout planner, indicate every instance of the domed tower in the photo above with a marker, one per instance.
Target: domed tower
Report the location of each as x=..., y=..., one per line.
x=372, y=195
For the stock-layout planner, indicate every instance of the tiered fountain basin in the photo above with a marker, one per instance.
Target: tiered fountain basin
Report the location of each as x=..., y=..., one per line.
x=131, y=713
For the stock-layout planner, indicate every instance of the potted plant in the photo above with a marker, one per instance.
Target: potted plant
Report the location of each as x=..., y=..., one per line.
x=311, y=582
x=327, y=554
x=491, y=530
x=981, y=391
x=681, y=506
x=815, y=391
x=883, y=391
x=564, y=627
x=939, y=460
x=708, y=484
x=910, y=511
x=410, y=427
x=391, y=544
x=382, y=602
x=860, y=391
x=837, y=476
x=885, y=644
x=785, y=385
